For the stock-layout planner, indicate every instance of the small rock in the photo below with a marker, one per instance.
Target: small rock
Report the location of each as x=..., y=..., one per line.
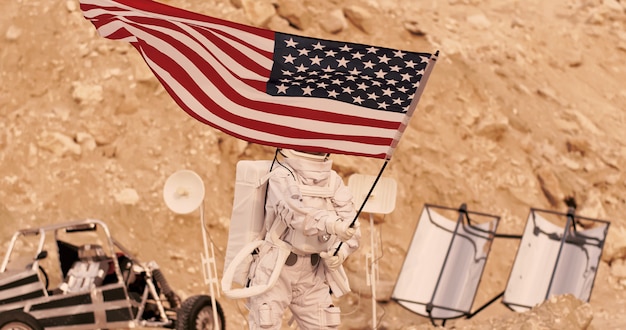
x=127, y=196
x=70, y=6
x=85, y=94
x=550, y=186
x=258, y=12
x=334, y=21
x=295, y=13
x=59, y=144
x=13, y=33
x=86, y=140
x=618, y=268
x=413, y=28
x=361, y=18
x=479, y=21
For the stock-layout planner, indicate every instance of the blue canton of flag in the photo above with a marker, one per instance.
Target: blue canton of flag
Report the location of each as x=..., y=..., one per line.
x=372, y=77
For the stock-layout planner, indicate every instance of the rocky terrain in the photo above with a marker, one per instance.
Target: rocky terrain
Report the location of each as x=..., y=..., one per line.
x=526, y=107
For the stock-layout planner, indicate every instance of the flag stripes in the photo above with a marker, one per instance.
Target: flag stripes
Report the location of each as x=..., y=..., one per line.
x=217, y=71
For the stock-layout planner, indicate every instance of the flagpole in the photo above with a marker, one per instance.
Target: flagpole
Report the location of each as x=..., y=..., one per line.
x=380, y=173
x=405, y=122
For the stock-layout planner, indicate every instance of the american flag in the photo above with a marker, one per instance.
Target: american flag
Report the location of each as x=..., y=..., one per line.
x=268, y=87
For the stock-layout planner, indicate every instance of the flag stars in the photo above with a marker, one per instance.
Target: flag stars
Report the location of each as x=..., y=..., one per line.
x=384, y=59
x=342, y=63
x=282, y=89
x=318, y=46
x=316, y=60
x=345, y=48
x=372, y=96
x=368, y=76
x=330, y=53
x=322, y=85
x=291, y=43
x=399, y=53
x=357, y=56
x=380, y=74
x=354, y=72
x=392, y=82
x=307, y=90
x=383, y=105
x=289, y=59
x=301, y=68
x=368, y=65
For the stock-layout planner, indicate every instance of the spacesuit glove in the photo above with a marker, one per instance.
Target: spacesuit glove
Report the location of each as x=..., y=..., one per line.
x=340, y=228
x=332, y=262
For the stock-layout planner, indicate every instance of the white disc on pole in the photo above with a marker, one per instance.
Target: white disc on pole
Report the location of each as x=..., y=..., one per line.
x=183, y=191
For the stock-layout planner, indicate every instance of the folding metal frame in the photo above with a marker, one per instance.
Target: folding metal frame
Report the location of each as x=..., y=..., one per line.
x=445, y=262
x=559, y=253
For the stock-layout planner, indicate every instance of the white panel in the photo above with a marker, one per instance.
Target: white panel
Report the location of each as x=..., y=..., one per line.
x=536, y=258
x=383, y=197
x=578, y=265
x=425, y=262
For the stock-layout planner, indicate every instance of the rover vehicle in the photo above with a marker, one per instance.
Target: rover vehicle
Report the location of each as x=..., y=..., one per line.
x=75, y=275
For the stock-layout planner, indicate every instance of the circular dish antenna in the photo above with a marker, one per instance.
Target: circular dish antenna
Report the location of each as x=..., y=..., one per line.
x=183, y=191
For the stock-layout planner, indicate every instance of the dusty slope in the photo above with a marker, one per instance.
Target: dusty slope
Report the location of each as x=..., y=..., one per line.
x=525, y=107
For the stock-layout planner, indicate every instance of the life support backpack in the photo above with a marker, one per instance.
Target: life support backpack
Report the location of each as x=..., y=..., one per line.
x=247, y=228
x=247, y=217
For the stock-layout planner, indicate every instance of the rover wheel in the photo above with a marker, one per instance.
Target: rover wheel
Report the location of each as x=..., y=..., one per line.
x=18, y=321
x=196, y=313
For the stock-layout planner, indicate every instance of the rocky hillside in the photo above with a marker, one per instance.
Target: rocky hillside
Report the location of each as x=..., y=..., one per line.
x=526, y=107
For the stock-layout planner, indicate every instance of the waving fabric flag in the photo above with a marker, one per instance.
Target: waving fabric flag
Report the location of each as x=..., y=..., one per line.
x=272, y=88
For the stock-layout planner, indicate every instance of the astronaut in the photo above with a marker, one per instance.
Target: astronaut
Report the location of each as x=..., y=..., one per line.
x=314, y=210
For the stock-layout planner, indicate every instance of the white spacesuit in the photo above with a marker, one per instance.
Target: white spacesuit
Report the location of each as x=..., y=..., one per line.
x=314, y=210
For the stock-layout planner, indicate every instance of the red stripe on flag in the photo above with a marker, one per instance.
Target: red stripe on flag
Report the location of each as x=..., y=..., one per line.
x=174, y=12
x=143, y=22
x=235, y=61
x=184, y=79
x=289, y=111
